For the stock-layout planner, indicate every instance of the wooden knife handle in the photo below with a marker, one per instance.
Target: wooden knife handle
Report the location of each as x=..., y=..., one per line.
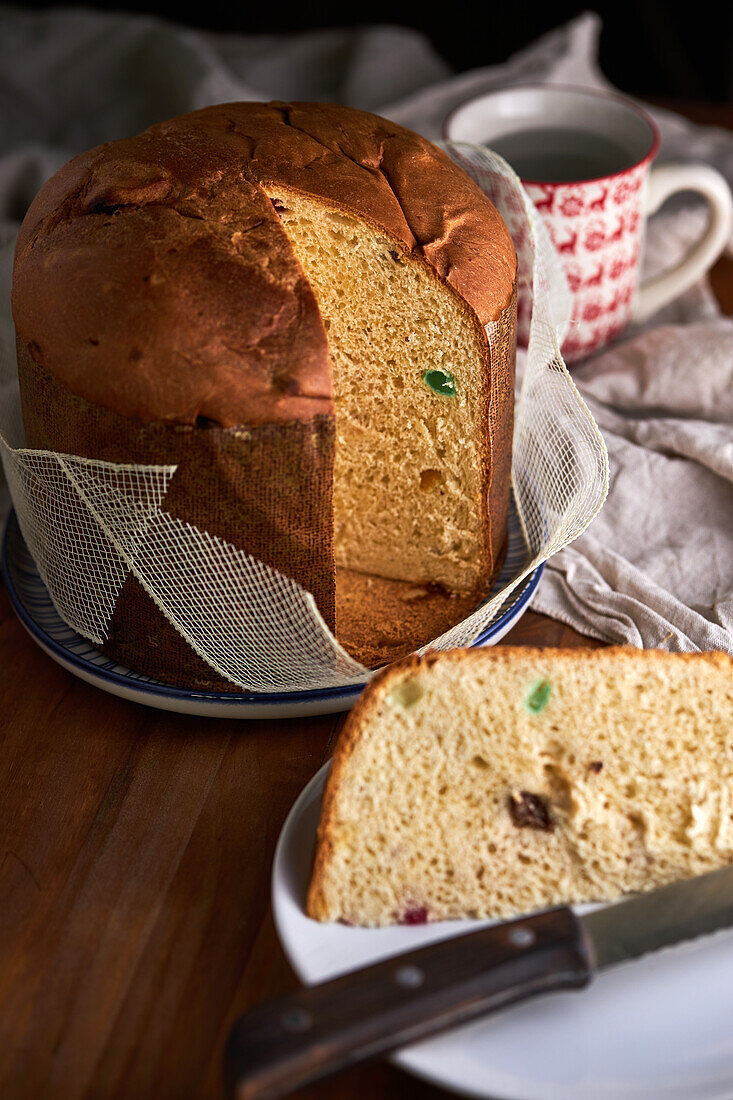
x=319, y=1030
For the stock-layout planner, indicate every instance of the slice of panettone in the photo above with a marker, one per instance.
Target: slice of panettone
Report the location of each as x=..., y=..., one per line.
x=486, y=782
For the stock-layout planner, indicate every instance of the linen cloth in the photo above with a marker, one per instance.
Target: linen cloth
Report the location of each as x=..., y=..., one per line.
x=655, y=569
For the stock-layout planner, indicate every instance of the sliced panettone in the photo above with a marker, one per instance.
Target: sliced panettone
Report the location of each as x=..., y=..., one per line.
x=289, y=302
x=483, y=783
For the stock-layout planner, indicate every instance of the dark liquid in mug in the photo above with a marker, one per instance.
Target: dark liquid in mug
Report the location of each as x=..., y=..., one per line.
x=559, y=155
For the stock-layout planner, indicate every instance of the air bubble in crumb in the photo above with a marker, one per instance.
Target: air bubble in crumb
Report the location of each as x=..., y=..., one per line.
x=430, y=479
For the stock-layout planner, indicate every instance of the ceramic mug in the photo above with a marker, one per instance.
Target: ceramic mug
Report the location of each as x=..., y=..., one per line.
x=603, y=145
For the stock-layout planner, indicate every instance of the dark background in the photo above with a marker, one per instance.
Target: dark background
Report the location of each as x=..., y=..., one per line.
x=648, y=47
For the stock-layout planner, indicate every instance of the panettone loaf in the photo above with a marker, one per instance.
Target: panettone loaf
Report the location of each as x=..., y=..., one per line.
x=289, y=302
x=484, y=783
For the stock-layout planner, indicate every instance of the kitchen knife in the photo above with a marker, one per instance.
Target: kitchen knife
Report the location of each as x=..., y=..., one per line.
x=319, y=1030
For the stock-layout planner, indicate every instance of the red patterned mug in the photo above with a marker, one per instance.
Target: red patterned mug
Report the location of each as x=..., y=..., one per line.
x=584, y=159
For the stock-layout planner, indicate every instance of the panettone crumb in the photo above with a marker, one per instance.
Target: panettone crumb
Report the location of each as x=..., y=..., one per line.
x=409, y=384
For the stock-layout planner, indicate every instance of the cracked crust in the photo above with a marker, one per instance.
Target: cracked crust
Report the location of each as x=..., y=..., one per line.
x=131, y=256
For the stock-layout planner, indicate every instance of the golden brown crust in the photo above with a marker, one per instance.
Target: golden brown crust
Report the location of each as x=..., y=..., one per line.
x=357, y=724
x=129, y=259
x=129, y=303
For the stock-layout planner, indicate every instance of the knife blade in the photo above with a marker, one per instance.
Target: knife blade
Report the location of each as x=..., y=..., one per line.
x=321, y=1029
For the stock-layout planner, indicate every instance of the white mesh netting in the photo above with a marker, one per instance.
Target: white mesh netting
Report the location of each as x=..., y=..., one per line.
x=88, y=523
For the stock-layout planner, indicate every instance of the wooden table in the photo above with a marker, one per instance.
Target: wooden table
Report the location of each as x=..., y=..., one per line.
x=135, y=856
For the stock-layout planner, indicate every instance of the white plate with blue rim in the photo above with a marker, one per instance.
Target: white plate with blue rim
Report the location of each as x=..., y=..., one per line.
x=658, y=1028
x=32, y=603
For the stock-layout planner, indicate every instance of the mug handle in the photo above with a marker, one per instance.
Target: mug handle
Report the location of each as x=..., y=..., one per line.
x=664, y=182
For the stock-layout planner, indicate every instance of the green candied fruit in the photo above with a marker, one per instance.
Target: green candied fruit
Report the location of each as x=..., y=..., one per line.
x=406, y=694
x=441, y=382
x=538, y=697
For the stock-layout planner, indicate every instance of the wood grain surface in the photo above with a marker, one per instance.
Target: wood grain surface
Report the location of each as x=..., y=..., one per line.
x=135, y=857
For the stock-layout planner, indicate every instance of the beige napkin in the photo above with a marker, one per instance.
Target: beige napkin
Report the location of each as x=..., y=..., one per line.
x=656, y=567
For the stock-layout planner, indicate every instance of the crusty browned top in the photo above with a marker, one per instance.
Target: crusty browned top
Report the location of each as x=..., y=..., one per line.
x=152, y=275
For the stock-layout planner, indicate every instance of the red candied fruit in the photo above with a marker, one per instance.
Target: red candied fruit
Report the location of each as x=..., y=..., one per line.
x=415, y=916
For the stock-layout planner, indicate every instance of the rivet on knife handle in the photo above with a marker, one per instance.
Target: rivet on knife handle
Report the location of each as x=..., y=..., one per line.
x=319, y=1030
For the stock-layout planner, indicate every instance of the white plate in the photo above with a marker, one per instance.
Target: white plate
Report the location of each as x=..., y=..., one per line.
x=33, y=605
x=660, y=1028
